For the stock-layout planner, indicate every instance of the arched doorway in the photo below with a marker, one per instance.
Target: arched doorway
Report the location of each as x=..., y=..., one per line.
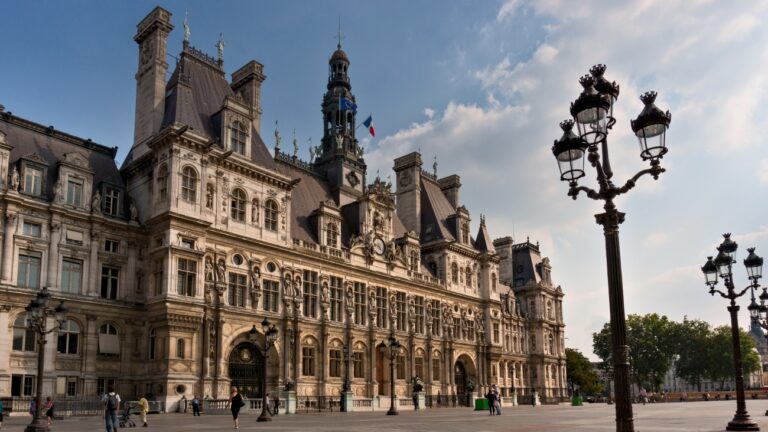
x=246, y=366
x=460, y=378
x=382, y=370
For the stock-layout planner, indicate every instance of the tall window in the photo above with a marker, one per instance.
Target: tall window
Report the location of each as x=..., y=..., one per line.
x=270, y=215
x=454, y=273
x=162, y=181
x=75, y=193
x=23, y=336
x=22, y=385
x=419, y=312
x=271, y=293
x=152, y=344
x=413, y=261
x=111, y=201
x=436, y=368
x=550, y=310
x=158, y=276
x=71, y=275
x=470, y=330
x=465, y=233
x=69, y=334
x=109, y=343
x=360, y=309
x=239, y=137
x=29, y=270
x=457, y=328
x=332, y=234
x=436, y=320
x=334, y=366
x=33, y=180
x=382, y=317
x=400, y=308
x=358, y=359
x=551, y=343
x=468, y=277
x=495, y=333
x=400, y=366
x=187, y=277
x=310, y=294
x=109, y=282
x=180, y=348
x=418, y=366
x=337, y=299
x=308, y=361
x=236, y=294
x=238, y=205
x=493, y=282
x=31, y=229
x=189, y=184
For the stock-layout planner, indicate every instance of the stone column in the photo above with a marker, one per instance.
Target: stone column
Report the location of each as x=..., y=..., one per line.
x=53, y=253
x=11, y=223
x=93, y=266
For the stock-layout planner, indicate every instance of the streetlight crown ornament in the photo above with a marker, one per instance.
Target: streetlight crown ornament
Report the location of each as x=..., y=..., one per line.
x=590, y=112
x=754, y=265
x=603, y=86
x=650, y=127
x=728, y=246
x=569, y=152
x=710, y=272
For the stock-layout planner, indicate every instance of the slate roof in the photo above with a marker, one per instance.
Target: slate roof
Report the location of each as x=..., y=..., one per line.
x=435, y=210
x=306, y=198
x=29, y=138
x=483, y=242
x=526, y=257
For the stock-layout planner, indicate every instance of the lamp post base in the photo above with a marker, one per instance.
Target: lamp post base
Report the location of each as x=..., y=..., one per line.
x=38, y=425
x=392, y=412
x=264, y=418
x=742, y=423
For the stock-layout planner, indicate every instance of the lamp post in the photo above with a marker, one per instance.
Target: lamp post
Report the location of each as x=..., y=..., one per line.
x=759, y=313
x=722, y=264
x=270, y=336
x=37, y=315
x=346, y=386
x=592, y=114
x=391, y=350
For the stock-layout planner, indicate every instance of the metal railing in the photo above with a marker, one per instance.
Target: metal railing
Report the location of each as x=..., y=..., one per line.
x=441, y=401
x=310, y=404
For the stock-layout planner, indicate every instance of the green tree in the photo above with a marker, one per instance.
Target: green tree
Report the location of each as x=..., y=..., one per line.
x=692, y=339
x=651, y=346
x=581, y=372
x=720, y=354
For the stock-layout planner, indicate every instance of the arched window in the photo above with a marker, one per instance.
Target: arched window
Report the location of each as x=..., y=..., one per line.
x=454, y=273
x=189, y=184
x=152, y=343
x=332, y=233
x=209, y=196
x=468, y=280
x=414, y=260
x=238, y=205
x=162, y=181
x=551, y=343
x=550, y=312
x=109, y=342
x=69, y=336
x=238, y=138
x=180, y=345
x=270, y=215
x=23, y=336
x=437, y=359
x=493, y=282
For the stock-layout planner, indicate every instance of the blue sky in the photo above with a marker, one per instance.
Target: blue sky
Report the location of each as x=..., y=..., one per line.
x=482, y=85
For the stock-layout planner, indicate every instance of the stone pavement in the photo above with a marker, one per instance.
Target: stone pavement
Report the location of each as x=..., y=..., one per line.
x=661, y=417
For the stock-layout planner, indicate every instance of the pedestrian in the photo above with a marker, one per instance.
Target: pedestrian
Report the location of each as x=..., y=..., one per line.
x=49, y=410
x=111, y=401
x=643, y=395
x=1, y=413
x=235, y=403
x=276, y=409
x=268, y=404
x=144, y=407
x=497, y=397
x=195, y=406
x=491, y=402
x=33, y=407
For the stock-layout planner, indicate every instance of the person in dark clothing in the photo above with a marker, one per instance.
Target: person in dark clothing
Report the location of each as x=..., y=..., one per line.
x=235, y=403
x=195, y=406
x=491, y=396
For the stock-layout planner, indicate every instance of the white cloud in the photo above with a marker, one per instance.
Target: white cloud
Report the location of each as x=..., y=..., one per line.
x=762, y=172
x=508, y=9
x=429, y=112
x=655, y=240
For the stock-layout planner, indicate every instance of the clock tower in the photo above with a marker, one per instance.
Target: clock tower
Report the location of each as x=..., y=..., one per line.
x=340, y=157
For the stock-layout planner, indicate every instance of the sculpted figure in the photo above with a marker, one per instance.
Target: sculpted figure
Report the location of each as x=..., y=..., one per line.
x=15, y=179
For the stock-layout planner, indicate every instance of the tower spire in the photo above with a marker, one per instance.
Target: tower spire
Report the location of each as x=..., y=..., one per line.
x=339, y=36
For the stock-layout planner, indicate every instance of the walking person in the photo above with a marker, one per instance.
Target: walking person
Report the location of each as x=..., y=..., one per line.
x=269, y=403
x=49, y=410
x=195, y=406
x=497, y=397
x=276, y=409
x=1, y=413
x=111, y=401
x=491, y=402
x=33, y=407
x=144, y=407
x=235, y=403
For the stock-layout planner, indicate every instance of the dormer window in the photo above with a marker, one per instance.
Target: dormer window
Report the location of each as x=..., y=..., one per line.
x=238, y=138
x=75, y=192
x=33, y=180
x=413, y=261
x=189, y=184
x=270, y=215
x=111, y=201
x=465, y=233
x=332, y=235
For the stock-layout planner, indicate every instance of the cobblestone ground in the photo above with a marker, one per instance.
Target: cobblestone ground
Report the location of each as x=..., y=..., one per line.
x=667, y=417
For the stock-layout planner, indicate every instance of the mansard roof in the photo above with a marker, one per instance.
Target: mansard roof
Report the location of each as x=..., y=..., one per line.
x=194, y=96
x=526, y=258
x=28, y=138
x=435, y=210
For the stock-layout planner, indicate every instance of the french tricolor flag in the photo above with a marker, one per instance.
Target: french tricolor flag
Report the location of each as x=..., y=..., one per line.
x=369, y=124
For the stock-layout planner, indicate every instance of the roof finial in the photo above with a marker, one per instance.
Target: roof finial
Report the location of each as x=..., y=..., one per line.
x=338, y=45
x=220, y=47
x=186, y=27
x=434, y=167
x=277, y=139
x=482, y=219
x=295, y=144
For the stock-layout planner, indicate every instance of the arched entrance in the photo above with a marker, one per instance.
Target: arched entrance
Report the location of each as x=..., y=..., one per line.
x=382, y=370
x=460, y=378
x=464, y=375
x=246, y=366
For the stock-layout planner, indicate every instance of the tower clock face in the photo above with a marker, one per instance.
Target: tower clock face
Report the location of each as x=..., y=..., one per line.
x=378, y=246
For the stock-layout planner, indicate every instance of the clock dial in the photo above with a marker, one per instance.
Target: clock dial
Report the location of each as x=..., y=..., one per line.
x=378, y=246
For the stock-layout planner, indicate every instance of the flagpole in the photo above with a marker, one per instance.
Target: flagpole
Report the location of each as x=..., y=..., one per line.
x=360, y=124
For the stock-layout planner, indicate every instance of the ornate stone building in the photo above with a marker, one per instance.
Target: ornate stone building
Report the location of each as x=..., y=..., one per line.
x=168, y=262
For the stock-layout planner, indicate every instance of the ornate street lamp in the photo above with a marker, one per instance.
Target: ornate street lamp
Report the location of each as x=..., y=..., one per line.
x=592, y=114
x=270, y=337
x=754, y=265
x=37, y=315
x=391, y=350
x=722, y=264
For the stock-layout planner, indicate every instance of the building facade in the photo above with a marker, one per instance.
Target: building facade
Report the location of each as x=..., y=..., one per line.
x=168, y=262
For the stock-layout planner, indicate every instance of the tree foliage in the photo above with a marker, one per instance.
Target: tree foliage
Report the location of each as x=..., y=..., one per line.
x=581, y=372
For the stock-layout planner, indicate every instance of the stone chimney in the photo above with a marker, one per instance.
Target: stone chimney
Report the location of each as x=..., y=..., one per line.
x=408, y=173
x=246, y=82
x=450, y=186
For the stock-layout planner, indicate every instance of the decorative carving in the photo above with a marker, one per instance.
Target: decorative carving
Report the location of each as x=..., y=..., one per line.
x=134, y=211
x=96, y=202
x=58, y=192
x=15, y=179
x=221, y=268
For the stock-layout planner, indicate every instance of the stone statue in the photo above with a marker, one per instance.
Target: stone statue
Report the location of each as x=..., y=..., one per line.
x=254, y=211
x=255, y=276
x=58, y=191
x=324, y=294
x=287, y=284
x=297, y=287
x=372, y=302
x=186, y=28
x=208, y=269
x=96, y=203
x=277, y=139
x=434, y=166
x=220, y=46
x=15, y=179
x=429, y=311
x=411, y=309
x=221, y=268
x=134, y=211
x=350, y=296
x=295, y=145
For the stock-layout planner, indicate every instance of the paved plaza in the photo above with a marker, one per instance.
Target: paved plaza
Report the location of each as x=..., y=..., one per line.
x=668, y=417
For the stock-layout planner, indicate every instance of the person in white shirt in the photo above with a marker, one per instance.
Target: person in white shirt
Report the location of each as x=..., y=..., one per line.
x=111, y=401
